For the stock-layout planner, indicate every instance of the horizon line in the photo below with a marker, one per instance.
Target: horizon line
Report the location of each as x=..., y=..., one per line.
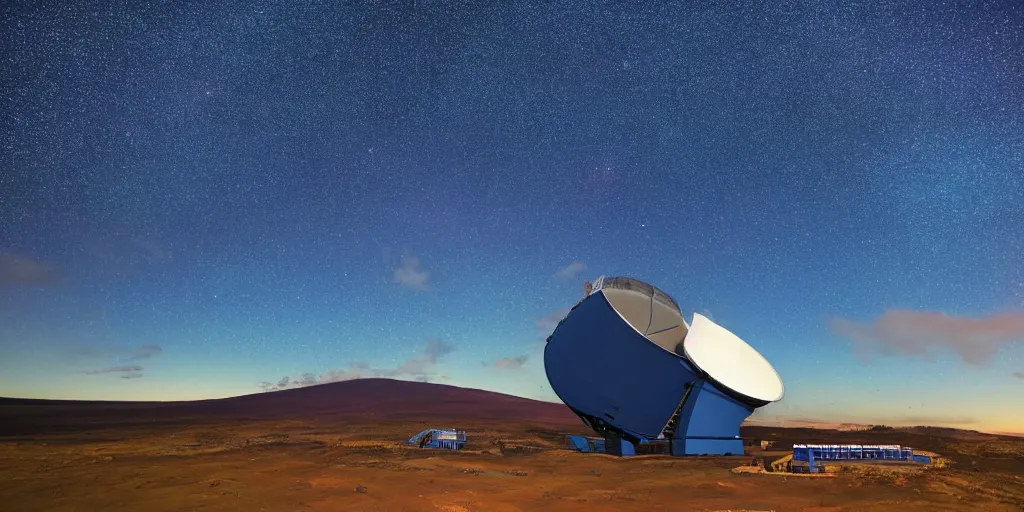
x=817, y=424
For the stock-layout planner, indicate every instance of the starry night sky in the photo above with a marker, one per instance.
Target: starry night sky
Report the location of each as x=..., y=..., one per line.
x=205, y=199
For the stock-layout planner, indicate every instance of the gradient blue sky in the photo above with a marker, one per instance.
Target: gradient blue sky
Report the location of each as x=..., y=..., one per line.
x=199, y=199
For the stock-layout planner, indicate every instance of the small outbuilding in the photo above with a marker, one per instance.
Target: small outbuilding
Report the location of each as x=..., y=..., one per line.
x=438, y=438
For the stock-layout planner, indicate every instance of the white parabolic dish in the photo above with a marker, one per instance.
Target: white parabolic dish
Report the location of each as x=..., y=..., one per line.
x=730, y=361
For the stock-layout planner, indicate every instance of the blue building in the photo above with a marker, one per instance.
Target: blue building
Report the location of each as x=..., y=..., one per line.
x=436, y=438
x=820, y=453
x=895, y=452
x=626, y=362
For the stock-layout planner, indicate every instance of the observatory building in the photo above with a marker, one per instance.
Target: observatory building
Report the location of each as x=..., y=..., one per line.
x=438, y=438
x=627, y=363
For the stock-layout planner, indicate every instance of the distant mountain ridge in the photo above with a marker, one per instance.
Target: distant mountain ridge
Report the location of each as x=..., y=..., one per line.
x=369, y=399
x=373, y=399
x=948, y=432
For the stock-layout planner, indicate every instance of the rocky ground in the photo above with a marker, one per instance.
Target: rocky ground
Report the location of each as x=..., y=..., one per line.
x=319, y=464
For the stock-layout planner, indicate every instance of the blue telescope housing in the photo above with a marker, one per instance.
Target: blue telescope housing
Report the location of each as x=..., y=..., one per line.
x=626, y=362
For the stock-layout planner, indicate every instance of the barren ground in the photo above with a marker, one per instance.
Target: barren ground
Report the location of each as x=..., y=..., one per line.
x=321, y=465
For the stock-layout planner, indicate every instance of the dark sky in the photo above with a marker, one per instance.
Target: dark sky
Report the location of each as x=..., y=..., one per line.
x=200, y=197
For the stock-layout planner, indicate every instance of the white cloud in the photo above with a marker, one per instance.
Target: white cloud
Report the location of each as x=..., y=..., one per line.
x=571, y=271
x=23, y=270
x=410, y=275
x=919, y=334
x=420, y=367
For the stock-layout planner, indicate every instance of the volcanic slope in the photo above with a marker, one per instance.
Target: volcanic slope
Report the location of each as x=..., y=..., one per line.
x=362, y=399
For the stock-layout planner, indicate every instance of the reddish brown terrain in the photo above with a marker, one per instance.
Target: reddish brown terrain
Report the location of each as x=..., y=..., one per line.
x=341, y=447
